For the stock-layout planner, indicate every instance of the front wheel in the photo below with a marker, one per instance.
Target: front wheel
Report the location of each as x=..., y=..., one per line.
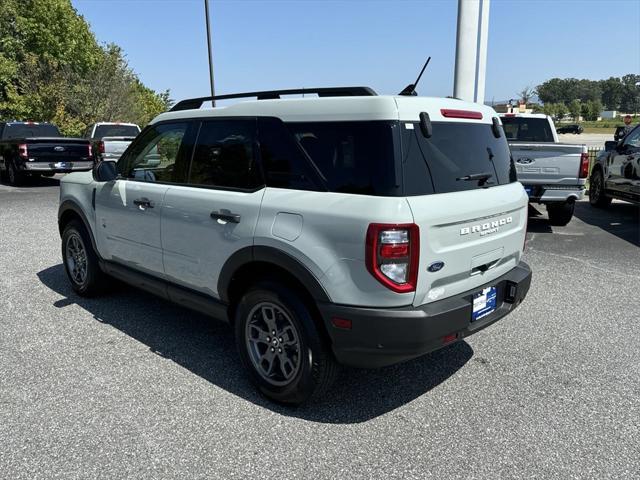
x=597, y=196
x=81, y=261
x=280, y=345
x=560, y=213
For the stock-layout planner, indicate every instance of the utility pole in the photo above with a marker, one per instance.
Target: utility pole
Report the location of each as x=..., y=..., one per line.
x=210, y=50
x=471, y=50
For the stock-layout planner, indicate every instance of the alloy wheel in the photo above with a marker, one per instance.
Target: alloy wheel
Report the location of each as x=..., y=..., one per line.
x=76, y=258
x=273, y=343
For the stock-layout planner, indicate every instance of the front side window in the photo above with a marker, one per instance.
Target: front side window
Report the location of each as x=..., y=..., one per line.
x=353, y=157
x=154, y=157
x=633, y=139
x=224, y=155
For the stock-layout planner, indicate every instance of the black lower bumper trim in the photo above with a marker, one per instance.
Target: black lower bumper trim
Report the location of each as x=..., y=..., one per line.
x=384, y=336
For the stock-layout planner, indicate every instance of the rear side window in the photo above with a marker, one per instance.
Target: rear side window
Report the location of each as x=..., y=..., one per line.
x=115, y=131
x=283, y=161
x=224, y=155
x=522, y=129
x=25, y=130
x=353, y=157
x=454, y=151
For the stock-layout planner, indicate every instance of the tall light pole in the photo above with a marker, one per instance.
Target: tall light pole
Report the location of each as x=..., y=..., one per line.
x=471, y=50
x=206, y=14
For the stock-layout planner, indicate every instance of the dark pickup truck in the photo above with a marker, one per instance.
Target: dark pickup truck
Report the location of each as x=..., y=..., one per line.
x=34, y=149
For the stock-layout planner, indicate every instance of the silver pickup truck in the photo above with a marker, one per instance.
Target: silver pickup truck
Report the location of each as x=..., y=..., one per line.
x=553, y=173
x=109, y=140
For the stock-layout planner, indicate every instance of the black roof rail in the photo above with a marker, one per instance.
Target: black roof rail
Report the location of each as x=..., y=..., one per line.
x=195, y=103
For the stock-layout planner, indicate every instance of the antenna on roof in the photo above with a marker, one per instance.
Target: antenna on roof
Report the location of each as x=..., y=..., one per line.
x=410, y=90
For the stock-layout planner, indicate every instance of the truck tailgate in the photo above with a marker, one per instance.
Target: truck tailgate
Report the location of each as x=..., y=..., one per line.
x=547, y=163
x=57, y=149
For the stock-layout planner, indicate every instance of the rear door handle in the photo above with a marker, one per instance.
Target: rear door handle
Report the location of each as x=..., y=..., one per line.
x=143, y=203
x=225, y=215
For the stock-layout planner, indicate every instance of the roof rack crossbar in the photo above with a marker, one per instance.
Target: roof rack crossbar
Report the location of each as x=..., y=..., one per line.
x=195, y=103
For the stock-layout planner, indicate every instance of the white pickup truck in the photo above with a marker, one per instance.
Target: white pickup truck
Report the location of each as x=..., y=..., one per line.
x=553, y=173
x=109, y=140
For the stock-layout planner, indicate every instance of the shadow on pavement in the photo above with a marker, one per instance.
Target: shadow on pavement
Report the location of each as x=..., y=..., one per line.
x=207, y=348
x=537, y=221
x=620, y=219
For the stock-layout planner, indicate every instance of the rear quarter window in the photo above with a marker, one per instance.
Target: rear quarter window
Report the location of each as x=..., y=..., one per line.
x=455, y=150
x=353, y=157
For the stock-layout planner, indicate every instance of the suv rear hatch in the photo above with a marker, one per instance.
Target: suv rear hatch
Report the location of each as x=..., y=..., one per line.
x=471, y=211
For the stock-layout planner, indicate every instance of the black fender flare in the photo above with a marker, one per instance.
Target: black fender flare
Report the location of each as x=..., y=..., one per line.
x=70, y=206
x=276, y=257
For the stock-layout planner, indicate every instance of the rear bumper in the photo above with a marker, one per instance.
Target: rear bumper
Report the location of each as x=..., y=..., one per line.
x=380, y=337
x=551, y=193
x=57, y=167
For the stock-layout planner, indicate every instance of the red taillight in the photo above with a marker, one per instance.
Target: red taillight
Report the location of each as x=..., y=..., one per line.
x=342, y=323
x=392, y=255
x=450, y=113
x=584, y=165
x=101, y=146
x=22, y=150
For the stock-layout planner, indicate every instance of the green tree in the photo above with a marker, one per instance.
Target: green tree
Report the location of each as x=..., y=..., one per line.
x=560, y=111
x=612, y=92
x=549, y=109
x=630, y=102
x=53, y=69
x=574, y=109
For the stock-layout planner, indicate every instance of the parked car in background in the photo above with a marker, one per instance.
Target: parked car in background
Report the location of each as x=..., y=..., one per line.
x=616, y=173
x=39, y=149
x=553, y=173
x=110, y=140
x=573, y=128
x=352, y=228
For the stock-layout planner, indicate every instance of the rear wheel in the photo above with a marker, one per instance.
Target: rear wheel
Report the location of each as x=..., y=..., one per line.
x=560, y=213
x=280, y=345
x=13, y=176
x=597, y=196
x=81, y=261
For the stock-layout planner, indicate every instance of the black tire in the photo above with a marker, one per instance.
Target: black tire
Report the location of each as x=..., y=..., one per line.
x=315, y=368
x=14, y=177
x=93, y=281
x=597, y=196
x=560, y=213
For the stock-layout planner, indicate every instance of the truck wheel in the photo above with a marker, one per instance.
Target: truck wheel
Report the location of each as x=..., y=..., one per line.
x=597, y=196
x=13, y=176
x=280, y=345
x=560, y=213
x=81, y=261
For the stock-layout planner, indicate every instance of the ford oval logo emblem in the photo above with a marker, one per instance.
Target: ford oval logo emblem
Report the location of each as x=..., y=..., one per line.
x=524, y=160
x=435, y=266
x=59, y=149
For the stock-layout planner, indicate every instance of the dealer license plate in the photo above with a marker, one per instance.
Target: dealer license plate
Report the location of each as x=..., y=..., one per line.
x=484, y=303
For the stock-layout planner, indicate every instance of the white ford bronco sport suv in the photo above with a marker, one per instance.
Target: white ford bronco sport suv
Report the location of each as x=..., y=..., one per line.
x=349, y=229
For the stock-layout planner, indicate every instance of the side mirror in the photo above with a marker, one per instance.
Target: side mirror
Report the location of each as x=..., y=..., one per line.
x=610, y=146
x=105, y=171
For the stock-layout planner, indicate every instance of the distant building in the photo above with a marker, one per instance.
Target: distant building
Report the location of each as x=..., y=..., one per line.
x=608, y=114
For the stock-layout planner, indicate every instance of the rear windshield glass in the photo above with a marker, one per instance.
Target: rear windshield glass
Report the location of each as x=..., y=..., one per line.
x=455, y=151
x=24, y=130
x=522, y=129
x=115, y=131
x=353, y=157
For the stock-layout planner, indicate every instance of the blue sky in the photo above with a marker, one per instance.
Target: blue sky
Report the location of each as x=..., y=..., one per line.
x=283, y=44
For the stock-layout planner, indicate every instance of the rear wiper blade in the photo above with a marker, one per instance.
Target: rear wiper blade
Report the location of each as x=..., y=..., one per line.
x=481, y=177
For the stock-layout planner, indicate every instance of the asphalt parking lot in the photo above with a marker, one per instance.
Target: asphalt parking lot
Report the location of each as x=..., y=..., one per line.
x=131, y=386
